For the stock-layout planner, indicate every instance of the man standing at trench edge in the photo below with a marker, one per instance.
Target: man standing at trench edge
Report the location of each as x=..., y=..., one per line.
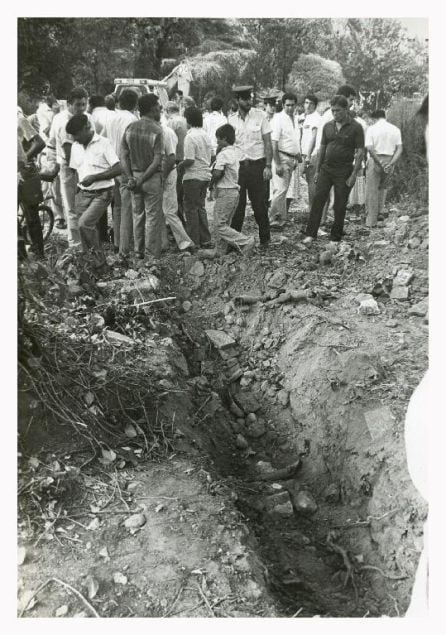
x=254, y=148
x=341, y=138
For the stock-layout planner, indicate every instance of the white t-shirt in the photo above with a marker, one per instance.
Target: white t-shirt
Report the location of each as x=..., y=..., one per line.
x=325, y=118
x=101, y=117
x=309, y=123
x=115, y=127
x=97, y=157
x=286, y=133
x=58, y=135
x=197, y=147
x=383, y=137
x=227, y=160
x=210, y=125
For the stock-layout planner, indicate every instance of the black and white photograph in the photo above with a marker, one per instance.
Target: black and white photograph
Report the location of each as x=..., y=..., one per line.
x=222, y=291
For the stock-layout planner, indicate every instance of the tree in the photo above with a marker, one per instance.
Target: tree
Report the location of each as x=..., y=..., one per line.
x=315, y=74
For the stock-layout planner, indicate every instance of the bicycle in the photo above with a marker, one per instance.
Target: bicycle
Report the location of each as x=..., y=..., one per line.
x=45, y=212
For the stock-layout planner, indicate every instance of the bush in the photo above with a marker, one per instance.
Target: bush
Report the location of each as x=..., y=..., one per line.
x=410, y=179
x=315, y=74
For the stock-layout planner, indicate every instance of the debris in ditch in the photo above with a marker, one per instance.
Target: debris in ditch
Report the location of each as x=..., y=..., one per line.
x=248, y=402
x=279, y=503
x=236, y=410
x=293, y=295
x=135, y=522
x=350, y=575
x=220, y=339
x=118, y=338
x=369, y=307
x=278, y=279
x=379, y=421
x=241, y=442
x=303, y=501
x=283, y=397
x=281, y=474
x=255, y=429
x=420, y=309
x=246, y=299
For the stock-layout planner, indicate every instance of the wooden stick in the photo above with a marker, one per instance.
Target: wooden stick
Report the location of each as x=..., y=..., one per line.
x=205, y=598
x=127, y=306
x=66, y=586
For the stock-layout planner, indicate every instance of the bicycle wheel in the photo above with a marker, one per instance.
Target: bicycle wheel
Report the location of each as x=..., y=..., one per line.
x=46, y=217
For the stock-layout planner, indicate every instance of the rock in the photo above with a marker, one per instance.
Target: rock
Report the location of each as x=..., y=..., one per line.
x=399, y=293
x=235, y=375
x=264, y=467
x=137, y=288
x=404, y=219
x=197, y=269
x=74, y=290
x=391, y=324
x=245, y=381
x=251, y=418
x=332, y=493
x=255, y=429
x=369, y=307
x=361, y=297
x=131, y=274
x=414, y=243
x=249, y=402
x=220, y=339
x=278, y=279
x=403, y=278
x=119, y=578
x=118, y=338
x=304, y=503
x=381, y=243
x=325, y=257
x=236, y=410
x=283, y=397
x=241, y=442
x=380, y=422
x=136, y=521
x=420, y=309
x=401, y=234
x=279, y=503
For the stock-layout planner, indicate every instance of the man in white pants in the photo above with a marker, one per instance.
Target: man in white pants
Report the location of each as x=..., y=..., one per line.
x=76, y=105
x=286, y=153
x=170, y=201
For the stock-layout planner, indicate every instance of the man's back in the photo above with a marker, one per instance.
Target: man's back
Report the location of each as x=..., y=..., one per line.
x=144, y=139
x=116, y=126
x=179, y=126
x=384, y=137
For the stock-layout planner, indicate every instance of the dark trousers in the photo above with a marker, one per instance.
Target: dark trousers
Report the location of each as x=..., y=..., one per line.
x=103, y=227
x=34, y=228
x=195, y=211
x=324, y=183
x=180, y=195
x=250, y=179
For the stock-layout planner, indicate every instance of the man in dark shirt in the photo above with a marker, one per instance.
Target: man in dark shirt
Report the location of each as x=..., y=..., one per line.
x=141, y=153
x=342, y=142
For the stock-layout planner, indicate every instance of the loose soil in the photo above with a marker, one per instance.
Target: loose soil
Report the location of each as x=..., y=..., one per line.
x=328, y=386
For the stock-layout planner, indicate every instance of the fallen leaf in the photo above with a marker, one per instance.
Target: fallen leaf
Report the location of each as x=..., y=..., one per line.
x=119, y=578
x=89, y=398
x=92, y=586
x=130, y=431
x=21, y=555
x=95, y=509
x=61, y=611
x=108, y=455
x=27, y=601
x=94, y=524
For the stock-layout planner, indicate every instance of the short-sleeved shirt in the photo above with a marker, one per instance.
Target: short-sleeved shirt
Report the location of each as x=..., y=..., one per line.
x=115, y=127
x=25, y=134
x=97, y=157
x=197, y=147
x=170, y=142
x=211, y=124
x=227, y=160
x=286, y=132
x=59, y=136
x=341, y=145
x=143, y=140
x=179, y=126
x=249, y=134
x=383, y=137
x=102, y=117
x=45, y=115
x=309, y=123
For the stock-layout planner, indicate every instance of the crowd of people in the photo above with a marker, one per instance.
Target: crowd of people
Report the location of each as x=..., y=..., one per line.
x=156, y=168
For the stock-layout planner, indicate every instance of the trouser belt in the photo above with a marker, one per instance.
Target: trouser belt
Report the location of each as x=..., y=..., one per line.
x=292, y=156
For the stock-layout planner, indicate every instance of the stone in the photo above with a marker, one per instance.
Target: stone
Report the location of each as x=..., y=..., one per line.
x=131, y=274
x=369, y=307
x=420, y=309
x=381, y=243
x=197, y=269
x=248, y=402
x=187, y=306
x=414, y=243
x=404, y=277
x=401, y=234
x=283, y=397
x=245, y=381
x=220, y=339
x=392, y=324
x=136, y=288
x=332, y=493
x=236, y=410
x=74, y=290
x=363, y=296
x=304, y=503
x=135, y=521
x=251, y=418
x=380, y=421
x=326, y=257
x=264, y=467
x=235, y=375
x=255, y=429
x=399, y=292
x=278, y=279
x=280, y=504
x=404, y=219
x=241, y=442
x=118, y=338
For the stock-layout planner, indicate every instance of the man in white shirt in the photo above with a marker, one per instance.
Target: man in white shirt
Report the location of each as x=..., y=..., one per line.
x=254, y=149
x=170, y=202
x=214, y=120
x=62, y=141
x=287, y=155
x=384, y=145
x=122, y=214
x=101, y=116
x=310, y=126
x=96, y=164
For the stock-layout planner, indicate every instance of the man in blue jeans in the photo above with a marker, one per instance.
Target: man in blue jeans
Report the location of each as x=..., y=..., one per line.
x=342, y=141
x=141, y=154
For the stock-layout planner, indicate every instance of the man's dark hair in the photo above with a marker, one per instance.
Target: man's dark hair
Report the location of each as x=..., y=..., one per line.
x=78, y=92
x=146, y=103
x=339, y=100
x=346, y=91
x=128, y=99
x=194, y=117
x=96, y=101
x=314, y=100
x=290, y=97
x=76, y=124
x=110, y=102
x=227, y=133
x=216, y=103
x=378, y=114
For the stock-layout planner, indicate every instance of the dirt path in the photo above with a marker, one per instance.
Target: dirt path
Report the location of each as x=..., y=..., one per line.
x=317, y=381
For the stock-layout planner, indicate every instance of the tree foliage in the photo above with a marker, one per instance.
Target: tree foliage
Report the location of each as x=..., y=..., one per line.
x=315, y=74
